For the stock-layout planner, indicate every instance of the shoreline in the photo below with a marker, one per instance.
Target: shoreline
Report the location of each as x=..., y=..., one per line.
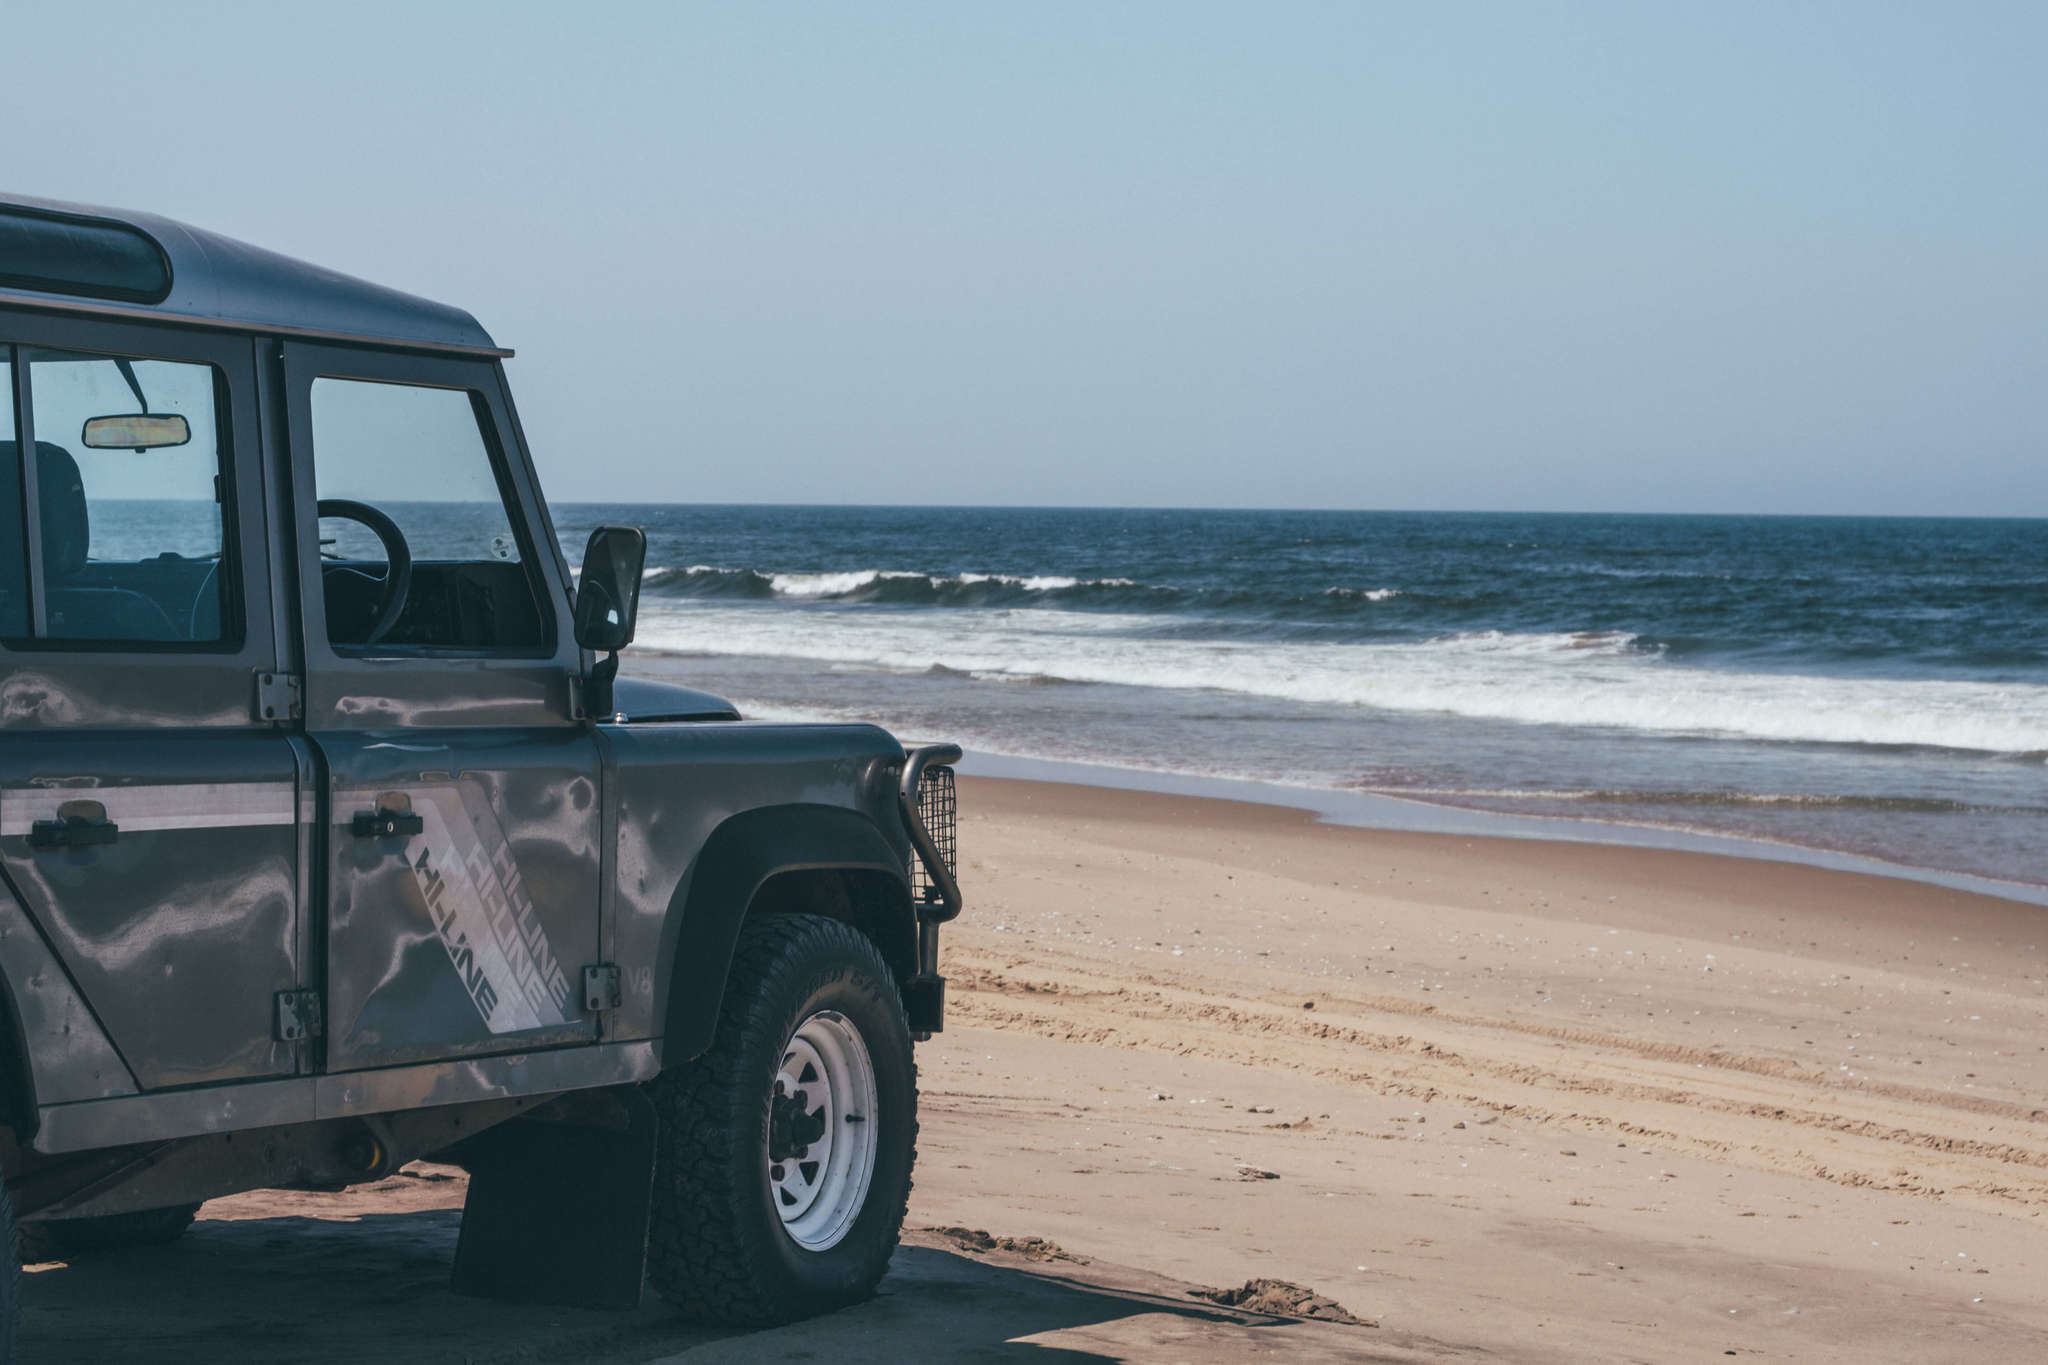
x=1963, y=819
x=1641, y=880
x=1414, y=815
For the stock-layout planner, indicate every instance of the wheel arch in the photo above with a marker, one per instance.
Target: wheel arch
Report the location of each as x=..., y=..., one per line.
x=789, y=859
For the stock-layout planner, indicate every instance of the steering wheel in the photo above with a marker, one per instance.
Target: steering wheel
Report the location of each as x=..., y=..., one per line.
x=398, y=555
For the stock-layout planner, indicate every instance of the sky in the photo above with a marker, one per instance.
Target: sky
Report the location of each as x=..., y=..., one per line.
x=1718, y=257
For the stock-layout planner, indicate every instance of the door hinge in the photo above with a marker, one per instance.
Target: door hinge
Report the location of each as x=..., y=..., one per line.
x=278, y=697
x=600, y=988
x=298, y=1015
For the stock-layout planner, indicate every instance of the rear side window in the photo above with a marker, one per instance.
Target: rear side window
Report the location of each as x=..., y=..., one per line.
x=421, y=459
x=126, y=454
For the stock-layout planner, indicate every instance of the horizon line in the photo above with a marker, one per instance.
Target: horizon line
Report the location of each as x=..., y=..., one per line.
x=1394, y=511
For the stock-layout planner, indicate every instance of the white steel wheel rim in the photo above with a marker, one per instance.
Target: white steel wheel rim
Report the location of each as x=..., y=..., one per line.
x=824, y=1131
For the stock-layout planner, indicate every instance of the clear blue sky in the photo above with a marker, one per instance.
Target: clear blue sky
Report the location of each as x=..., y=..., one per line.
x=1700, y=257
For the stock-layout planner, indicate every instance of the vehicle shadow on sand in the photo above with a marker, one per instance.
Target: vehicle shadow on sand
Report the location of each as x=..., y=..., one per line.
x=298, y=1290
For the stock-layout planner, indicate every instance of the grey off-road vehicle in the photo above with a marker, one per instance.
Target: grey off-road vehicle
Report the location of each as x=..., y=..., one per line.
x=330, y=838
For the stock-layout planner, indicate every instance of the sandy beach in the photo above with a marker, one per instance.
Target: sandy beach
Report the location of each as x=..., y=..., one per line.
x=1501, y=1099
x=1560, y=1101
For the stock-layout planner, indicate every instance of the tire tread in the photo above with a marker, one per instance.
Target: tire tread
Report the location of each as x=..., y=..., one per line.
x=700, y=1225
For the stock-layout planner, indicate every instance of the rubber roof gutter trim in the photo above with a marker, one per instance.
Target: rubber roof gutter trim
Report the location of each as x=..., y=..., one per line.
x=101, y=308
x=217, y=281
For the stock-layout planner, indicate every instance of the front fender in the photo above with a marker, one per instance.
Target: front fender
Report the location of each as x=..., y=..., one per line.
x=742, y=856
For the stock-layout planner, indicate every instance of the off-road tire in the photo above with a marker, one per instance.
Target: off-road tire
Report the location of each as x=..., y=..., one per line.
x=717, y=1247
x=61, y=1239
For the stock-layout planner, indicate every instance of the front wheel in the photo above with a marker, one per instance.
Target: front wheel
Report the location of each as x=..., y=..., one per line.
x=783, y=1162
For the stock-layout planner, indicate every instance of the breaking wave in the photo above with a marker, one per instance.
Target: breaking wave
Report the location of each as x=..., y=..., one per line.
x=889, y=586
x=1581, y=679
x=911, y=588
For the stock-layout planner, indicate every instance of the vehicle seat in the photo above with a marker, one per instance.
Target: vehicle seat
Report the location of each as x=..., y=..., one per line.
x=78, y=611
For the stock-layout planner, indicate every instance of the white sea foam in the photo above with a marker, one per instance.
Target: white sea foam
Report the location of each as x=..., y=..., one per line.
x=840, y=584
x=1039, y=583
x=830, y=584
x=1595, y=679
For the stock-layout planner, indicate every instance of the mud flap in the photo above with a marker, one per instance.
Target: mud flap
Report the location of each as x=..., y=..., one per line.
x=558, y=1206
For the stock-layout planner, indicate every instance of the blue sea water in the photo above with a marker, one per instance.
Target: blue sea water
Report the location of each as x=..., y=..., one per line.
x=1876, y=687
x=1871, y=686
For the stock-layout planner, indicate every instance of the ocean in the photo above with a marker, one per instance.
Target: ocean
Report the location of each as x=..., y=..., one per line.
x=1876, y=687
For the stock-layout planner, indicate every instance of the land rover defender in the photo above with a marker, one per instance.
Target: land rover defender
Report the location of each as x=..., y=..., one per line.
x=330, y=838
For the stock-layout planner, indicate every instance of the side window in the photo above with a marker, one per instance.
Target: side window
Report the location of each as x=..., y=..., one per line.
x=127, y=459
x=417, y=547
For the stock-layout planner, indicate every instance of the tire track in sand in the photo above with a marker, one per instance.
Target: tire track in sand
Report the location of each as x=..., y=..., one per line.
x=1760, y=1112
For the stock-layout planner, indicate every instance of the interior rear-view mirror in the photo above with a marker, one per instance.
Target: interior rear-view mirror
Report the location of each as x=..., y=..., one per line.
x=608, y=597
x=136, y=431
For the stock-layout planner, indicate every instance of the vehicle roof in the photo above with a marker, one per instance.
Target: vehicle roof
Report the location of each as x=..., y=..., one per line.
x=217, y=281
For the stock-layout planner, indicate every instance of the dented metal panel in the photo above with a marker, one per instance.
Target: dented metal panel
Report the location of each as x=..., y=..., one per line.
x=183, y=924
x=70, y=1056
x=676, y=784
x=467, y=934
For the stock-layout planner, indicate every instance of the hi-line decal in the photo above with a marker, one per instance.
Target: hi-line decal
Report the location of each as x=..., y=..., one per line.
x=486, y=922
x=171, y=805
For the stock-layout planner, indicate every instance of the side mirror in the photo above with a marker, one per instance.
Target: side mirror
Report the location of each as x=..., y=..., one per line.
x=607, y=600
x=608, y=597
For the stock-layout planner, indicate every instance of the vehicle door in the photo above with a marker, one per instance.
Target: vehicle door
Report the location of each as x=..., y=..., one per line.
x=462, y=822
x=148, y=805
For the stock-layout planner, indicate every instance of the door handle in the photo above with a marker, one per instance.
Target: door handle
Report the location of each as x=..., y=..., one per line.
x=79, y=824
x=384, y=823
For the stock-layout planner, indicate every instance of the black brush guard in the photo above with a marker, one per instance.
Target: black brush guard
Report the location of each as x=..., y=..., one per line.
x=930, y=817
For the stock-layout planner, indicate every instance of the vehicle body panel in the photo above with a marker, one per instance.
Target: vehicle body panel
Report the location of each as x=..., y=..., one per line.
x=675, y=785
x=180, y=931
x=94, y=1124
x=67, y=1054
x=471, y=935
x=645, y=701
x=217, y=281
x=183, y=930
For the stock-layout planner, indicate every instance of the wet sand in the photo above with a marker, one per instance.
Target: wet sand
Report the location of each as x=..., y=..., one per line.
x=1532, y=1101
